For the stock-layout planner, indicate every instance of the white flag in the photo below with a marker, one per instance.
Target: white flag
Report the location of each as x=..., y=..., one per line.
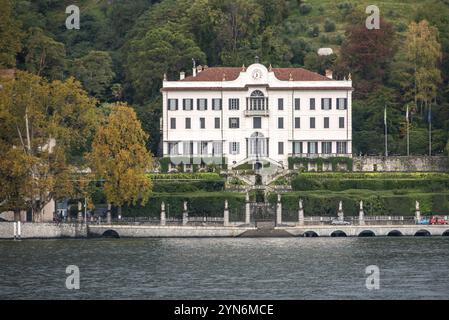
x=406, y=114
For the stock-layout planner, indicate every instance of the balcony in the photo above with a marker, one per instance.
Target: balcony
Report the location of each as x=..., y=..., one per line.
x=257, y=113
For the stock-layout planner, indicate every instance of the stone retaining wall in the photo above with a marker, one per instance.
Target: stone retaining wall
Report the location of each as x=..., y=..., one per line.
x=32, y=230
x=401, y=164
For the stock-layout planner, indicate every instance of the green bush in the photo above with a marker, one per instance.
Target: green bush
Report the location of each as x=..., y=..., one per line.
x=189, y=186
x=329, y=26
x=305, y=8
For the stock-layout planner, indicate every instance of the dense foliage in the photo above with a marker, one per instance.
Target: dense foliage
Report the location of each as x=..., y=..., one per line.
x=123, y=48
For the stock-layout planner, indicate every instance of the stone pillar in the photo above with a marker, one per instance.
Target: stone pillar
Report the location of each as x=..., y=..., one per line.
x=247, y=210
x=417, y=212
x=109, y=214
x=163, y=219
x=69, y=218
x=185, y=214
x=80, y=212
x=226, y=214
x=361, y=214
x=279, y=211
x=301, y=213
x=340, y=213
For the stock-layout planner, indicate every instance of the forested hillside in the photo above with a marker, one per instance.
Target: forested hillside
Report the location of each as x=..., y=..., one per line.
x=123, y=48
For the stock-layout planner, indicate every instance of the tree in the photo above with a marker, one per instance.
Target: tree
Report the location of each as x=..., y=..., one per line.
x=10, y=35
x=44, y=126
x=95, y=73
x=367, y=55
x=423, y=51
x=162, y=50
x=119, y=156
x=45, y=56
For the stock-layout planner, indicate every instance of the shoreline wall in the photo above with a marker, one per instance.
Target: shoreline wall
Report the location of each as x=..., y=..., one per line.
x=32, y=230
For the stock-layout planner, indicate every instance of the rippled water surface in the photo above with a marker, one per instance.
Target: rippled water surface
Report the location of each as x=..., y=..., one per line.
x=258, y=268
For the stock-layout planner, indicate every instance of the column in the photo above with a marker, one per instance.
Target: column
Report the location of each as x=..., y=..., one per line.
x=226, y=214
x=417, y=212
x=279, y=211
x=163, y=219
x=247, y=210
x=185, y=214
x=300, y=213
x=340, y=213
x=108, y=214
x=361, y=214
x=80, y=212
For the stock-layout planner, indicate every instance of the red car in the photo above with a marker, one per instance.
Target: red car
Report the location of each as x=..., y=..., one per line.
x=438, y=220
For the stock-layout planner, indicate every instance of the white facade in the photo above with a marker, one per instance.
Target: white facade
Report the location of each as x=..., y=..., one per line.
x=272, y=123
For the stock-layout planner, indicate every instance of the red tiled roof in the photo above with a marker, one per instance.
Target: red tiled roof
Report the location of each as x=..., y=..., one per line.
x=232, y=73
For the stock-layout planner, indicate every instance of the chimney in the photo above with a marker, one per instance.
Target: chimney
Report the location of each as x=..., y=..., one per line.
x=329, y=73
x=182, y=75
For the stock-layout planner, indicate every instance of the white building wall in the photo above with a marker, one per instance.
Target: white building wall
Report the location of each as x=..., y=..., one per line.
x=272, y=88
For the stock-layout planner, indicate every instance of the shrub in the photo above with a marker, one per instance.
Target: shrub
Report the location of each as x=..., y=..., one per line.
x=305, y=8
x=329, y=26
x=313, y=31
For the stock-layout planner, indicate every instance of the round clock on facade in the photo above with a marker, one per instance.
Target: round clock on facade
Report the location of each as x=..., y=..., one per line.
x=257, y=74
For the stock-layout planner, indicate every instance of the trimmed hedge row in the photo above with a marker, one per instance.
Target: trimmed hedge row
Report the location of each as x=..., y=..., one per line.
x=199, y=204
x=187, y=186
x=375, y=203
x=430, y=183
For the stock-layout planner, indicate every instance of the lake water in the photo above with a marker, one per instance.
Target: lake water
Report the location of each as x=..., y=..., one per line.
x=232, y=268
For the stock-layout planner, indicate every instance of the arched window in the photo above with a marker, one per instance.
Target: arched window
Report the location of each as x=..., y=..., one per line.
x=257, y=100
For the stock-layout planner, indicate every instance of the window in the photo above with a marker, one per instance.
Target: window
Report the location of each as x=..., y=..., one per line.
x=187, y=148
x=217, y=123
x=216, y=104
x=202, y=123
x=312, y=147
x=326, y=103
x=312, y=103
x=297, y=147
x=280, y=123
x=341, y=147
x=326, y=147
x=202, y=147
x=297, y=104
x=173, y=148
x=341, y=122
x=233, y=104
x=217, y=148
x=280, y=147
x=297, y=122
x=172, y=104
x=187, y=104
x=172, y=123
x=188, y=123
x=280, y=104
x=342, y=103
x=234, y=123
x=201, y=104
x=257, y=100
x=312, y=123
x=326, y=122
x=234, y=147
x=257, y=122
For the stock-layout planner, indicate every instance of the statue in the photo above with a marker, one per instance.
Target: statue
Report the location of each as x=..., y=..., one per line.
x=361, y=205
x=247, y=197
x=340, y=206
x=226, y=203
x=163, y=206
x=300, y=203
x=279, y=197
x=417, y=205
x=185, y=206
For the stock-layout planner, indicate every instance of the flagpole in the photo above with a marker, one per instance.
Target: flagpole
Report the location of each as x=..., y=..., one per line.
x=430, y=129
x=408, y=132
x=386, y=131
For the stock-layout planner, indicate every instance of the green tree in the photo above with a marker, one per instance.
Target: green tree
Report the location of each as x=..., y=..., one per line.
x=44, y=56
x=119, y=156
x=423, y=51
x=162, y=50
x=95, y=73
x=10, y=35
